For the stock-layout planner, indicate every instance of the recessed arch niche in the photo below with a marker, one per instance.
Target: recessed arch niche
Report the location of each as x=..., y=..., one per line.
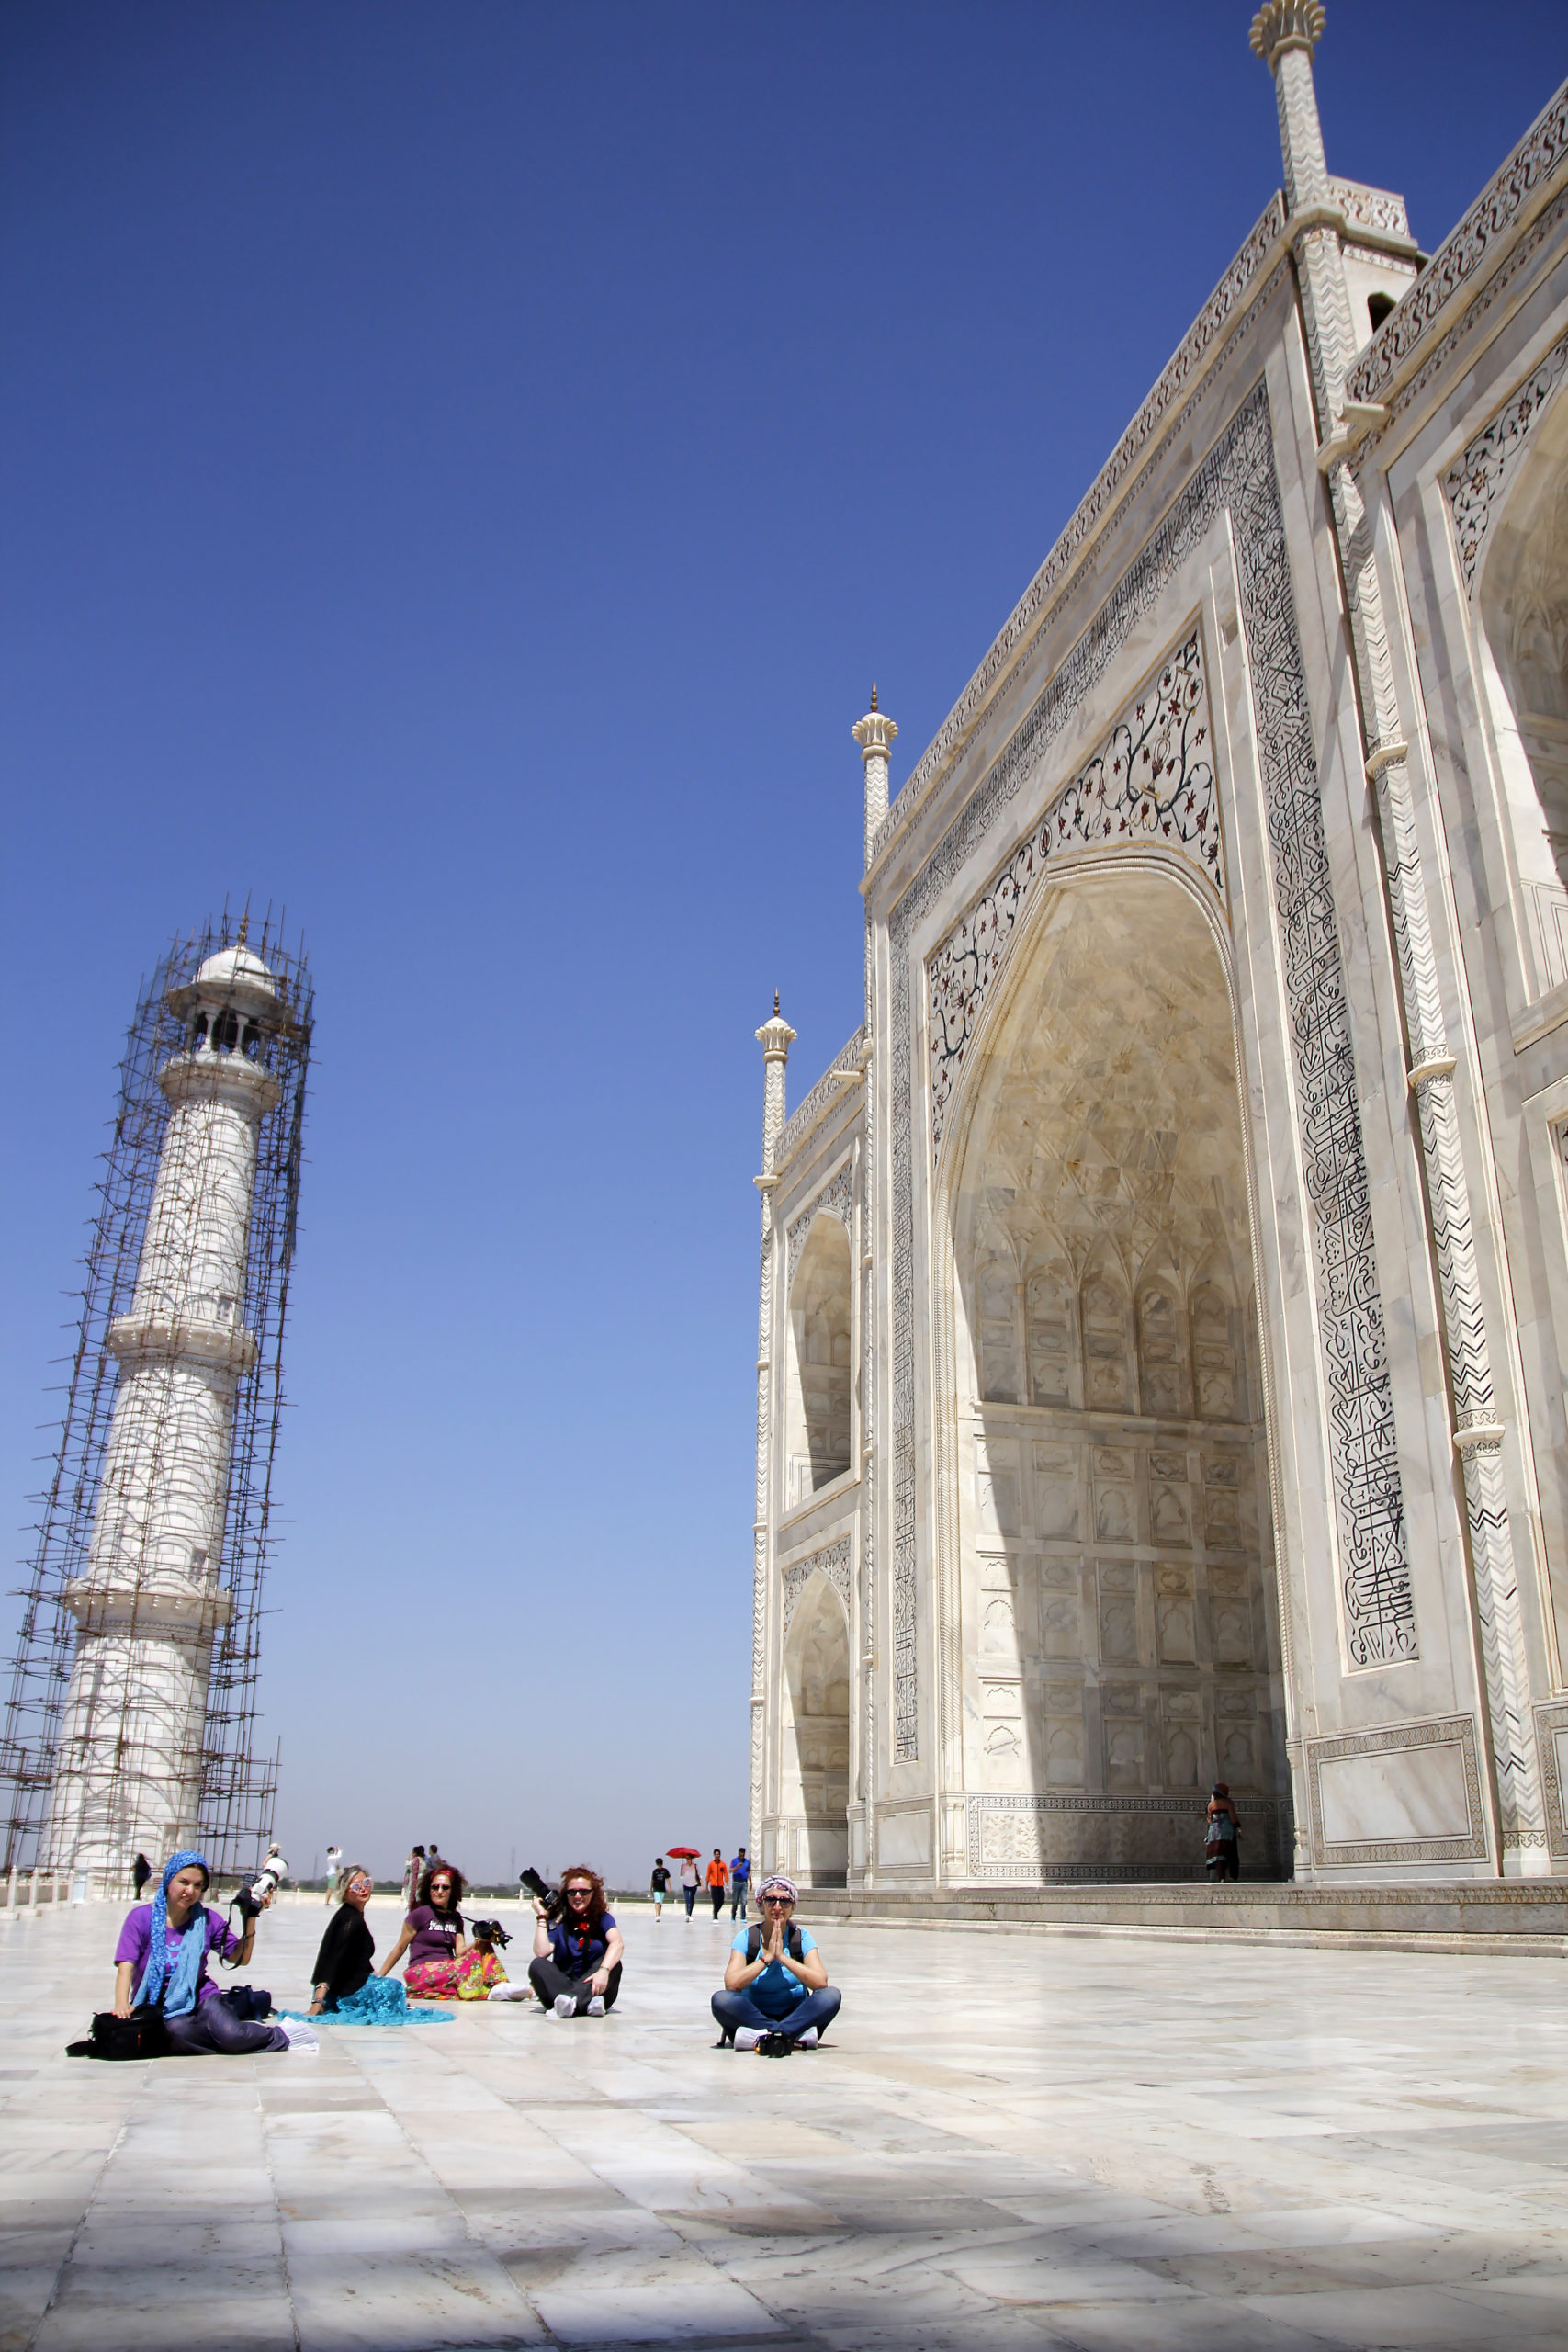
x=1116, y=1556
x=814, y=1795
x=817, y=1436
x=1523, y=605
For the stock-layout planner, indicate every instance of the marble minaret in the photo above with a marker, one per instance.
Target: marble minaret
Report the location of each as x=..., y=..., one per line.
x=149, y=1599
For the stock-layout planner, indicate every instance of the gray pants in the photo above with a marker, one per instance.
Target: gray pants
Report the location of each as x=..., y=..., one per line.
x=211, y=2030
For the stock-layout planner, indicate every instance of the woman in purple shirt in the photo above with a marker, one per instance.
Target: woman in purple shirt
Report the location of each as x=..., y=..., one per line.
x=432, y=1937
x=161, y=1961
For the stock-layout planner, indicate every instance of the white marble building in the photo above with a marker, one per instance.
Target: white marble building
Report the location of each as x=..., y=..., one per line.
x=150, y=1599
x=1162, y=1292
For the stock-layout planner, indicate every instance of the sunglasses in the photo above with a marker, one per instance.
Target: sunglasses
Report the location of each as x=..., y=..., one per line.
x=779, y=1900
x=584, y=1892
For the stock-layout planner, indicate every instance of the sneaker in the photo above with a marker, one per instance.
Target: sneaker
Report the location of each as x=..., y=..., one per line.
x=566, y=2007
x=774, y=2045
x=596, y=2006
x=300, y=2035
x=747, y=2037
x=809, y=2039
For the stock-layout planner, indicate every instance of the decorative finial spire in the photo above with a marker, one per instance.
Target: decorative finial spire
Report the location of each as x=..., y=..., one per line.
x=874, y=694
x=244, y=926
x=776, y=1005
x=875, y=734
x=1286, y=23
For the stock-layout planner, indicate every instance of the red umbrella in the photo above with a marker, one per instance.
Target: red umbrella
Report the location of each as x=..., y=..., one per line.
x=684, y=1853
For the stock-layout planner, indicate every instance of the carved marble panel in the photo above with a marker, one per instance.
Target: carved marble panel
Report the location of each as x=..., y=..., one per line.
x=835, y=1199
x=1474, y=483
x=833, y=1561
x=1150, y=784
x=1238, y=475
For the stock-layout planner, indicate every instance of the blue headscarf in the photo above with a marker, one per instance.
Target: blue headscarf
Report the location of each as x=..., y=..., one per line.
x=182, y=1979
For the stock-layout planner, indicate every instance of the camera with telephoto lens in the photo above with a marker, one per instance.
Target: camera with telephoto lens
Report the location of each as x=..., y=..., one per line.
x=550, y=1896
x=253, y=1894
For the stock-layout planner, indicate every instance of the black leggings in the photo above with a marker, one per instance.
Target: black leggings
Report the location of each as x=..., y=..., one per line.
x=550, y=1982
x=211, y=2030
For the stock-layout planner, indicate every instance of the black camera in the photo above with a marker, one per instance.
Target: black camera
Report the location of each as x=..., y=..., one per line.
x=489, y=1932
x=252, y=1895
x=548, y=1896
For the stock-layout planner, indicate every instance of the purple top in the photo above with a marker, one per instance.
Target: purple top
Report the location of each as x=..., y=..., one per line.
x=436, y=1934
x=137, y=1933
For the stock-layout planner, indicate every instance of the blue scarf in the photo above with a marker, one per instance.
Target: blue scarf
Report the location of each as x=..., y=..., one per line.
x=176, y=1984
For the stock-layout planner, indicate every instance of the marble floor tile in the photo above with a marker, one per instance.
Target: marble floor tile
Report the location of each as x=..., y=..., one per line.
x=1423, y=2319
x=700, y=2310
x=1007, y=2145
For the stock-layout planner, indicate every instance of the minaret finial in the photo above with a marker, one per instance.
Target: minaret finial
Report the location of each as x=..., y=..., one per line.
x=776, y=1005
x=874, y=694
x=244, y=926
x=1286, y=23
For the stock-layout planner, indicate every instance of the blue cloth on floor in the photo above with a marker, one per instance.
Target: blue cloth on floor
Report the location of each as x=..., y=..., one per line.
x=380, y=2000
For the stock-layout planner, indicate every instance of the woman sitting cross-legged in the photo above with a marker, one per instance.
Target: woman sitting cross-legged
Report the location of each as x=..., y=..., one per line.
x=776, y=1995
x=432, y=1935
x=576, y=1967
x=342, y=1985
x=161, y=1962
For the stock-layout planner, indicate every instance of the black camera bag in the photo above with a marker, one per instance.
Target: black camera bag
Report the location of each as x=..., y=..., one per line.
x=142, y=2034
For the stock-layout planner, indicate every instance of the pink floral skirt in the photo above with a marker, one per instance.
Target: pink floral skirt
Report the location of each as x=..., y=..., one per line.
x=432, y=1980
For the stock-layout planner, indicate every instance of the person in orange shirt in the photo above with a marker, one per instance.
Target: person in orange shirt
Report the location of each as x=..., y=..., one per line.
x=719, y=1880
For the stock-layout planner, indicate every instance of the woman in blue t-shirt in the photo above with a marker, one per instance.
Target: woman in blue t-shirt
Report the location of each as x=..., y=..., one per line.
x=776, y=1995
x=576, y=1967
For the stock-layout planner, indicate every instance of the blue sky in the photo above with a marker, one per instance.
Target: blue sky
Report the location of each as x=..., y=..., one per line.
x=463, y=468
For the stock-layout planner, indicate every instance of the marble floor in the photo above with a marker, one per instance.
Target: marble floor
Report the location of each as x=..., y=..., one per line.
x=1008, y=2142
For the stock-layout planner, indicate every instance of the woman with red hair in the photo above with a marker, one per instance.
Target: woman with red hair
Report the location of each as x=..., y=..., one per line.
x=576, y=1967
x=432, y=1935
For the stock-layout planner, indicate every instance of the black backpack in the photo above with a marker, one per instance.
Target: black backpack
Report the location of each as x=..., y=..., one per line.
x=792, y=1943
x=140, y=2035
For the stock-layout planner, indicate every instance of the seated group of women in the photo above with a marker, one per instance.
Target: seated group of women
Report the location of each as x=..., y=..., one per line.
x=575, y=1969
x=776, y=1992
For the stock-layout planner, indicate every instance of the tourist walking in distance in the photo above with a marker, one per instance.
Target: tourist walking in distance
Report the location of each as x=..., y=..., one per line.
x=334, y=1863
x=141, y=1871
x=739, y=1884
x=413, y=1871
x=1222, y=1857
x=719, y=1880
x=691, y=1879
x=658, y=1887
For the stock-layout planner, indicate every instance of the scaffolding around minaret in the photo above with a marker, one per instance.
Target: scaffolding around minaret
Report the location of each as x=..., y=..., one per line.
x=132, y=1708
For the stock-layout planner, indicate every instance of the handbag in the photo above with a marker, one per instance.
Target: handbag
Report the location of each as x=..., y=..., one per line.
x=142, y=2034
x=248, y=2002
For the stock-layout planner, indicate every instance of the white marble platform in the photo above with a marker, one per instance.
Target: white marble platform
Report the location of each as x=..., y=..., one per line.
x=1007, y=2143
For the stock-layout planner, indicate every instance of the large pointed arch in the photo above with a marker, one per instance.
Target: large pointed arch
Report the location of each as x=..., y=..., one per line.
x=1112, y=1580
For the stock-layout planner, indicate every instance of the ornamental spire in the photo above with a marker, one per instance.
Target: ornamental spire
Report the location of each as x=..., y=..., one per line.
x=875, y=734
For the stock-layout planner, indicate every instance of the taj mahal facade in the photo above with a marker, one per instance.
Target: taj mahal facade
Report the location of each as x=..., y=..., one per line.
x=1164, y=1292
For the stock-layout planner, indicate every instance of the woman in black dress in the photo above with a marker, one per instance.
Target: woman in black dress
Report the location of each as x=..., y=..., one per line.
x=348, y=1947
